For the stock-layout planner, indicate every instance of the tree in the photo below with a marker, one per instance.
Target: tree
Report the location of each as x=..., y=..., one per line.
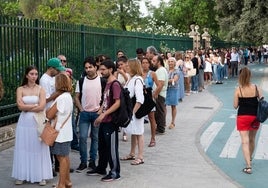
x=245, y=20
x=181, y=14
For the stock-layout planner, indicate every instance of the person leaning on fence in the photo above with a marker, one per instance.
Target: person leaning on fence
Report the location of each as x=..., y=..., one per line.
x=108, y=132
x=31, y=156
x=246, y=100
x=60, y=112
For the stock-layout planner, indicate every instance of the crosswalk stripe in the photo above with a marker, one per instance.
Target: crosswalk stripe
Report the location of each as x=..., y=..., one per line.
x=262, y=148
x=209, y=134
x=232, y=145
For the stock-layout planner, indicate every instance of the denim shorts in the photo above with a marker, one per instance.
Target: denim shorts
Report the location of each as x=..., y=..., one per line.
x=62, y=149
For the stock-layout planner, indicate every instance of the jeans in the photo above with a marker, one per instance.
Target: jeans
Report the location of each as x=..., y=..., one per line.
x=220, y=71
x=214, y=70
x=225, y=70
x=87, y=119
x=74, y=143
x=194, y=85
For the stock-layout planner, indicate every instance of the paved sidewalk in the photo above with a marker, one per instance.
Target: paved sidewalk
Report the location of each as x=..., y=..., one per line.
x=177, y=161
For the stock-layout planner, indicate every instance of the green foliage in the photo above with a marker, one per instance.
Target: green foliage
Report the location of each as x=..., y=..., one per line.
x=9, y=8
x=245, y=20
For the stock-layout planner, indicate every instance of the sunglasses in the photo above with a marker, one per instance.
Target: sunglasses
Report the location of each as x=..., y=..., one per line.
x=63, y=60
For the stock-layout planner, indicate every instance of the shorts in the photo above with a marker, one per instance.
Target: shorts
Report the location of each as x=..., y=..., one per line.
x=247, y=123
x=62, y=149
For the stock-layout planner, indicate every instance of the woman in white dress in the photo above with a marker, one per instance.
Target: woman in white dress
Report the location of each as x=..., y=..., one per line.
x=136, y=126
x=31, y=161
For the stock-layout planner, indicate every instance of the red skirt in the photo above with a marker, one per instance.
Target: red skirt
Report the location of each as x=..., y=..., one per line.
x=247, y=123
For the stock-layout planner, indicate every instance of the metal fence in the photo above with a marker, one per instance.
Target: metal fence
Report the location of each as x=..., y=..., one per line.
x=27, y=42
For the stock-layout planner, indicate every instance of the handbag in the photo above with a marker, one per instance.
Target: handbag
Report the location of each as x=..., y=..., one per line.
x=262, y=111
x=40, y=118
x=148, y=103
x=191, y=72
x=49, y=134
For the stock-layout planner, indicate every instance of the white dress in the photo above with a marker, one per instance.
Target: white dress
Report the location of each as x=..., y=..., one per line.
x=31, y=160
x=136, y=126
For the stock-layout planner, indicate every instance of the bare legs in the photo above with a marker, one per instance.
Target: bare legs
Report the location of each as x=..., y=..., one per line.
x=248, y=145
x=64, y=176
x=153, y=128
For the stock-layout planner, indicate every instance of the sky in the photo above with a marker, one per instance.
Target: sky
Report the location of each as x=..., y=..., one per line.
x=144, y=9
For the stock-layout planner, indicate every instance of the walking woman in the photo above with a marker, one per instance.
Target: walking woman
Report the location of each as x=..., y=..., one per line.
x=60, y=112
x=246, y=100
x=31, y=161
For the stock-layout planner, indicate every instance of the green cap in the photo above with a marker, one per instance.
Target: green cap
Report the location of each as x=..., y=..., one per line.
x=55, y=63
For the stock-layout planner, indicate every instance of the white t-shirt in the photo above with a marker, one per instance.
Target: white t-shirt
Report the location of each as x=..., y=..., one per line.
x=162, y=75
x=65, y=108
x=91, y=94
x=48, y=83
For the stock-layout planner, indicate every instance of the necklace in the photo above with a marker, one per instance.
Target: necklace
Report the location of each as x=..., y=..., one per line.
x=31, y=87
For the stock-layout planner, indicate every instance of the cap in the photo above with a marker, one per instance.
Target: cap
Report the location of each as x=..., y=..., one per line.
x=55, y=63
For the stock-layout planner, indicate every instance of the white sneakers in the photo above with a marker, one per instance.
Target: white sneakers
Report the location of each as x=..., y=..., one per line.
x=42, y=183
x=18, y=182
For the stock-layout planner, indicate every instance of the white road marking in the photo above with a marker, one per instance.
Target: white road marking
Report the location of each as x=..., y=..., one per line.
x=232, y=145
x=262, y=145
x=210, y=133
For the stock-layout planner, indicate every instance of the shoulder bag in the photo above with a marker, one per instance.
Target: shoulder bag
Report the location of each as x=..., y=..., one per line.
x=49, y=133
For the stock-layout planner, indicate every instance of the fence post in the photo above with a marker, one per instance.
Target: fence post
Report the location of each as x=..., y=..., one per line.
x=36, y=44
x=83, y=47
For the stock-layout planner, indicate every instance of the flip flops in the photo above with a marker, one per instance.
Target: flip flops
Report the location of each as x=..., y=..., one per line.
x=247, y=170
x=137, y=162
x=127, y=158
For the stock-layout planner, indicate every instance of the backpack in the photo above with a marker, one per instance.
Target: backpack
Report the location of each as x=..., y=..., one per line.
x=123, y=115
x=148, y=103
x=262, y=111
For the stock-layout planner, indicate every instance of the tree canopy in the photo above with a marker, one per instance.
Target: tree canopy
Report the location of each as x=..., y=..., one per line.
x=236, y=20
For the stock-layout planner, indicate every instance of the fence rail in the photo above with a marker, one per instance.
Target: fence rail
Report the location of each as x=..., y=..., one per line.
x=27, y=42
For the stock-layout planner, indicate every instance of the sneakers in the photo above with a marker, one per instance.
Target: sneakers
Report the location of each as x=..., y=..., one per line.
x=18, y=182
x=91, y=164
x=81, y=167
x=109, y=178
x=42, y=183
x=96, y=173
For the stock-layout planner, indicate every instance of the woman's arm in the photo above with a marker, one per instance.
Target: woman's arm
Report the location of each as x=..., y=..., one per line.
x=236, y=95
x=21, y=105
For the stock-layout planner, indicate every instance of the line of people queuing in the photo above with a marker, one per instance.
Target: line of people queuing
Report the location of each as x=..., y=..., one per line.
x=170, y=77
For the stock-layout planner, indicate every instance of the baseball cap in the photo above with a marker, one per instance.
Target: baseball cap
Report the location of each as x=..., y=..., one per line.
x=55, y=63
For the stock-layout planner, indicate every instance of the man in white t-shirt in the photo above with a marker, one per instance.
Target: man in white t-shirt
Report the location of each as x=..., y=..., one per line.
x=47, y=81
x=88, y=94
x=159, y=93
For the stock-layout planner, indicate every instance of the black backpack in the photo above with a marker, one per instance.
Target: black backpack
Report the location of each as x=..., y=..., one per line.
x=123, y=115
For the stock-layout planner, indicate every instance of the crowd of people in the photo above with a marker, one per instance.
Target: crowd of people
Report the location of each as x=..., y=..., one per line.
x=85, y=107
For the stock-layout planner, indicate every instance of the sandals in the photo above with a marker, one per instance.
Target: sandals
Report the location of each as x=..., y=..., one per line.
x=247, y=170
x=137, y=162
x=127, y=158
x=171, y=126
x=152, y=144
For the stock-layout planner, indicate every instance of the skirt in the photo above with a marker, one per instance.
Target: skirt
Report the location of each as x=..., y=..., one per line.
x=62, y=149
x=247, y=123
